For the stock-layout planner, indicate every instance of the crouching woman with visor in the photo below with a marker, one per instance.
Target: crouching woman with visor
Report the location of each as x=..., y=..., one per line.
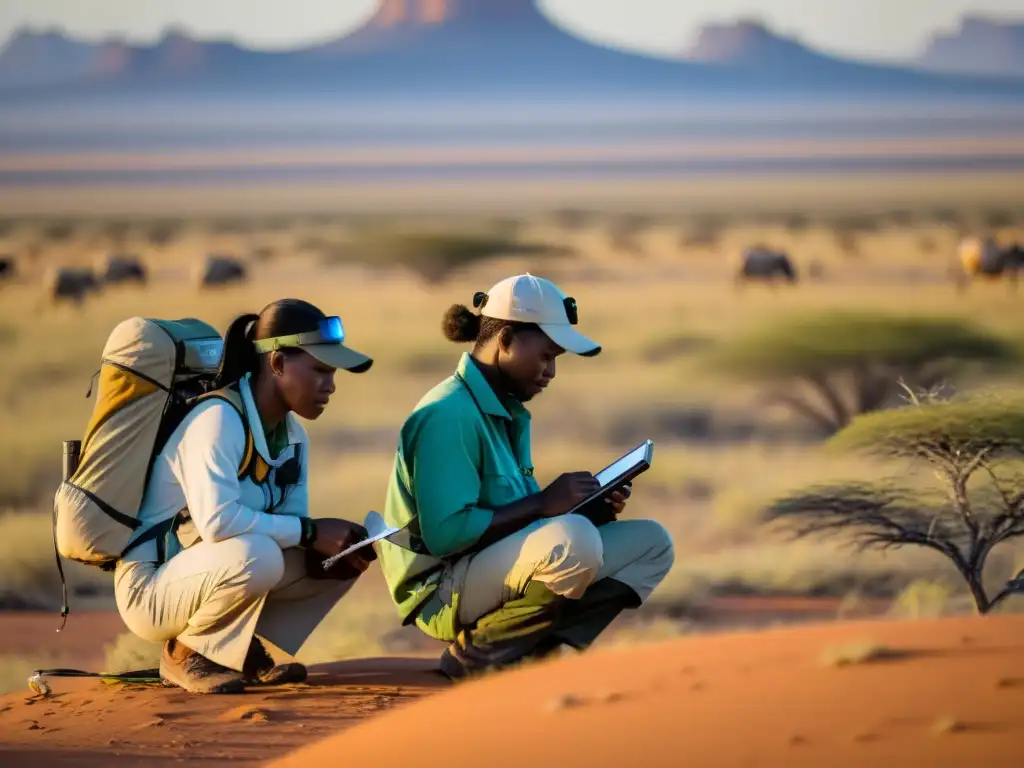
x=227, y=571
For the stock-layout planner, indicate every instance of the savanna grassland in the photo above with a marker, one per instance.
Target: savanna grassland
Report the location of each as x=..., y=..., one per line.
x=653, y=276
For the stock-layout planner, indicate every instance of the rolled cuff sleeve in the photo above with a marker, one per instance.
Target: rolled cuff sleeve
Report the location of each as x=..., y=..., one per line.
x=445, y=481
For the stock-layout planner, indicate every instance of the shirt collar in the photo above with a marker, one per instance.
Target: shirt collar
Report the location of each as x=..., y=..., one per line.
x=484, y=394
x=259, y=438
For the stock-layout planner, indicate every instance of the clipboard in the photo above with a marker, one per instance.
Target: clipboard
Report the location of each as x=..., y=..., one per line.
x=621, y=471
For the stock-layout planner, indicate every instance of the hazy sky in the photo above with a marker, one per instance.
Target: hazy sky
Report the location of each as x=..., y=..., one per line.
x=879, y=28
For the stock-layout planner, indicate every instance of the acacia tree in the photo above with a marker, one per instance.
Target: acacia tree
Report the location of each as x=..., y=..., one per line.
x=831, y=367
x=975, y=449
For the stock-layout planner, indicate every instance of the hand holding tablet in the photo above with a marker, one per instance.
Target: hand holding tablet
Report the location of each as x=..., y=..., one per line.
x=614, y=477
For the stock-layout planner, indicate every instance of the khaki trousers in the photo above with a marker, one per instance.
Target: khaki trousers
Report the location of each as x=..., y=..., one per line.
x=567, y=554
x=214, y=597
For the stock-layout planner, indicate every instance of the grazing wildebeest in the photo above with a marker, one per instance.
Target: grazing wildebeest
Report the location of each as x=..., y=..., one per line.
x=983, y=257
x=8, y=268
x=123, y=268
x=221, y=270
x=765, y=265
x=71, y=284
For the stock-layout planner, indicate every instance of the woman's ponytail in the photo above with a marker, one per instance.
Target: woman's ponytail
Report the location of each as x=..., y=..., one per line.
x=460, y=324
x=240, y=356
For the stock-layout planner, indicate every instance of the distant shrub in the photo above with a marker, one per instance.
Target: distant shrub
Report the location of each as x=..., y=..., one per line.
x=998, y=218
x=796, y=222
x=624, y=233
x=947, y=217
x=129, y=653
x=831, y=367
x=433, y=256
x=572, y=218
x=116, y=230
x=863, y=652
x=921, y=599
x=736, y=511
x=901, y=217
x=59, y=231
x=164, y=233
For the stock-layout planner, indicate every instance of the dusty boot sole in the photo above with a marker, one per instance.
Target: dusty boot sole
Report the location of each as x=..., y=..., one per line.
x=173, y=677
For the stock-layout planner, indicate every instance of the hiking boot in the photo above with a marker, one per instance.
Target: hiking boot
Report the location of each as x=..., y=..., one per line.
x=514, y=633
x=583, y=620
x=535, y=627
x=182, y=667
x=260, y=668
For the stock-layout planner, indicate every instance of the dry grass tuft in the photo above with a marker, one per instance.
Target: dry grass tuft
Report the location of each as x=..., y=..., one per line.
x=863, y=652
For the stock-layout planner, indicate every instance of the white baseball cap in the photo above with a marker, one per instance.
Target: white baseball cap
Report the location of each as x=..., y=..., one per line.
x=528, y=299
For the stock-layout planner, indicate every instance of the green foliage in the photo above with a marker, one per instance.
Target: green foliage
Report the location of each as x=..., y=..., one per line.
x=434, y=256
x=991, y=423
x=833, y=366
x=960, y=440
x=820, y=344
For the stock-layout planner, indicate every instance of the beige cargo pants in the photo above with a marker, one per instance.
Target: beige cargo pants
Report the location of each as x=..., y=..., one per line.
x=567, y=554
x=213, y=597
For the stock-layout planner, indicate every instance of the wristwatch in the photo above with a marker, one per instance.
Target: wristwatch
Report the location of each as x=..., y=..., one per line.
x=308, y=535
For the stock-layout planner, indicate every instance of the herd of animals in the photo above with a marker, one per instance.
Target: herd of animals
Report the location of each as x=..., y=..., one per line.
x=978, y=257
x=73, y=284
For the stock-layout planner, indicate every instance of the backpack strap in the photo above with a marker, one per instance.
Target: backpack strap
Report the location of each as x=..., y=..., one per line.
x=250, y=458
x=245, y=468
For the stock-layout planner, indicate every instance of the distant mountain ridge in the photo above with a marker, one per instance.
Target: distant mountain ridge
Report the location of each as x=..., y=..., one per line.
x=749, y=42
x=484, y=47
x=980, y=45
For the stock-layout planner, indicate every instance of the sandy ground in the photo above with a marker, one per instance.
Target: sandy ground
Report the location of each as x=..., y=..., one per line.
x=89, y=723
x=952, y=694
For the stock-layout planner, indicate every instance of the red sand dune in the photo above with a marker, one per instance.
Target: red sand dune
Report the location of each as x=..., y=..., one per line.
x=956, y=699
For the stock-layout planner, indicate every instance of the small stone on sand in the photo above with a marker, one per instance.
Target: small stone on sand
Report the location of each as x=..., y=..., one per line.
x=565, y=701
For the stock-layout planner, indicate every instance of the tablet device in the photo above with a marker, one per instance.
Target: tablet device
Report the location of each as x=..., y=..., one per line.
x=614, y=476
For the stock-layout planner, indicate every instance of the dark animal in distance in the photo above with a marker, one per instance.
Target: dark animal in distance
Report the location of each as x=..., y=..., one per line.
x=123, y=268
x=764, y=265
x=71, y=284
x=8, y=268
x=220, y=270
x=984, y=258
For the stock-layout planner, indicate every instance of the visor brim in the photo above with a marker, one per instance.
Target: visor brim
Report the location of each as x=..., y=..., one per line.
x=571, y=340
x=339, y=356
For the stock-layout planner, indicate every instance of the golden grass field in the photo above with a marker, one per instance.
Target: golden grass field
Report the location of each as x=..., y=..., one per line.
x=880, y=243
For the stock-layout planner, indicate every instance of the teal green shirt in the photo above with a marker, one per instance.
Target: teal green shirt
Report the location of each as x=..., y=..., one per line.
x=461, y=453
x=277, y=439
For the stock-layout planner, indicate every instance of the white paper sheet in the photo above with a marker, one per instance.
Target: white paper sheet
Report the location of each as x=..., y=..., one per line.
x=377, y=530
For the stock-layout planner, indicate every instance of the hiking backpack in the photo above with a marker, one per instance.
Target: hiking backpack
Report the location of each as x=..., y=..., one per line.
x=151, y=374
